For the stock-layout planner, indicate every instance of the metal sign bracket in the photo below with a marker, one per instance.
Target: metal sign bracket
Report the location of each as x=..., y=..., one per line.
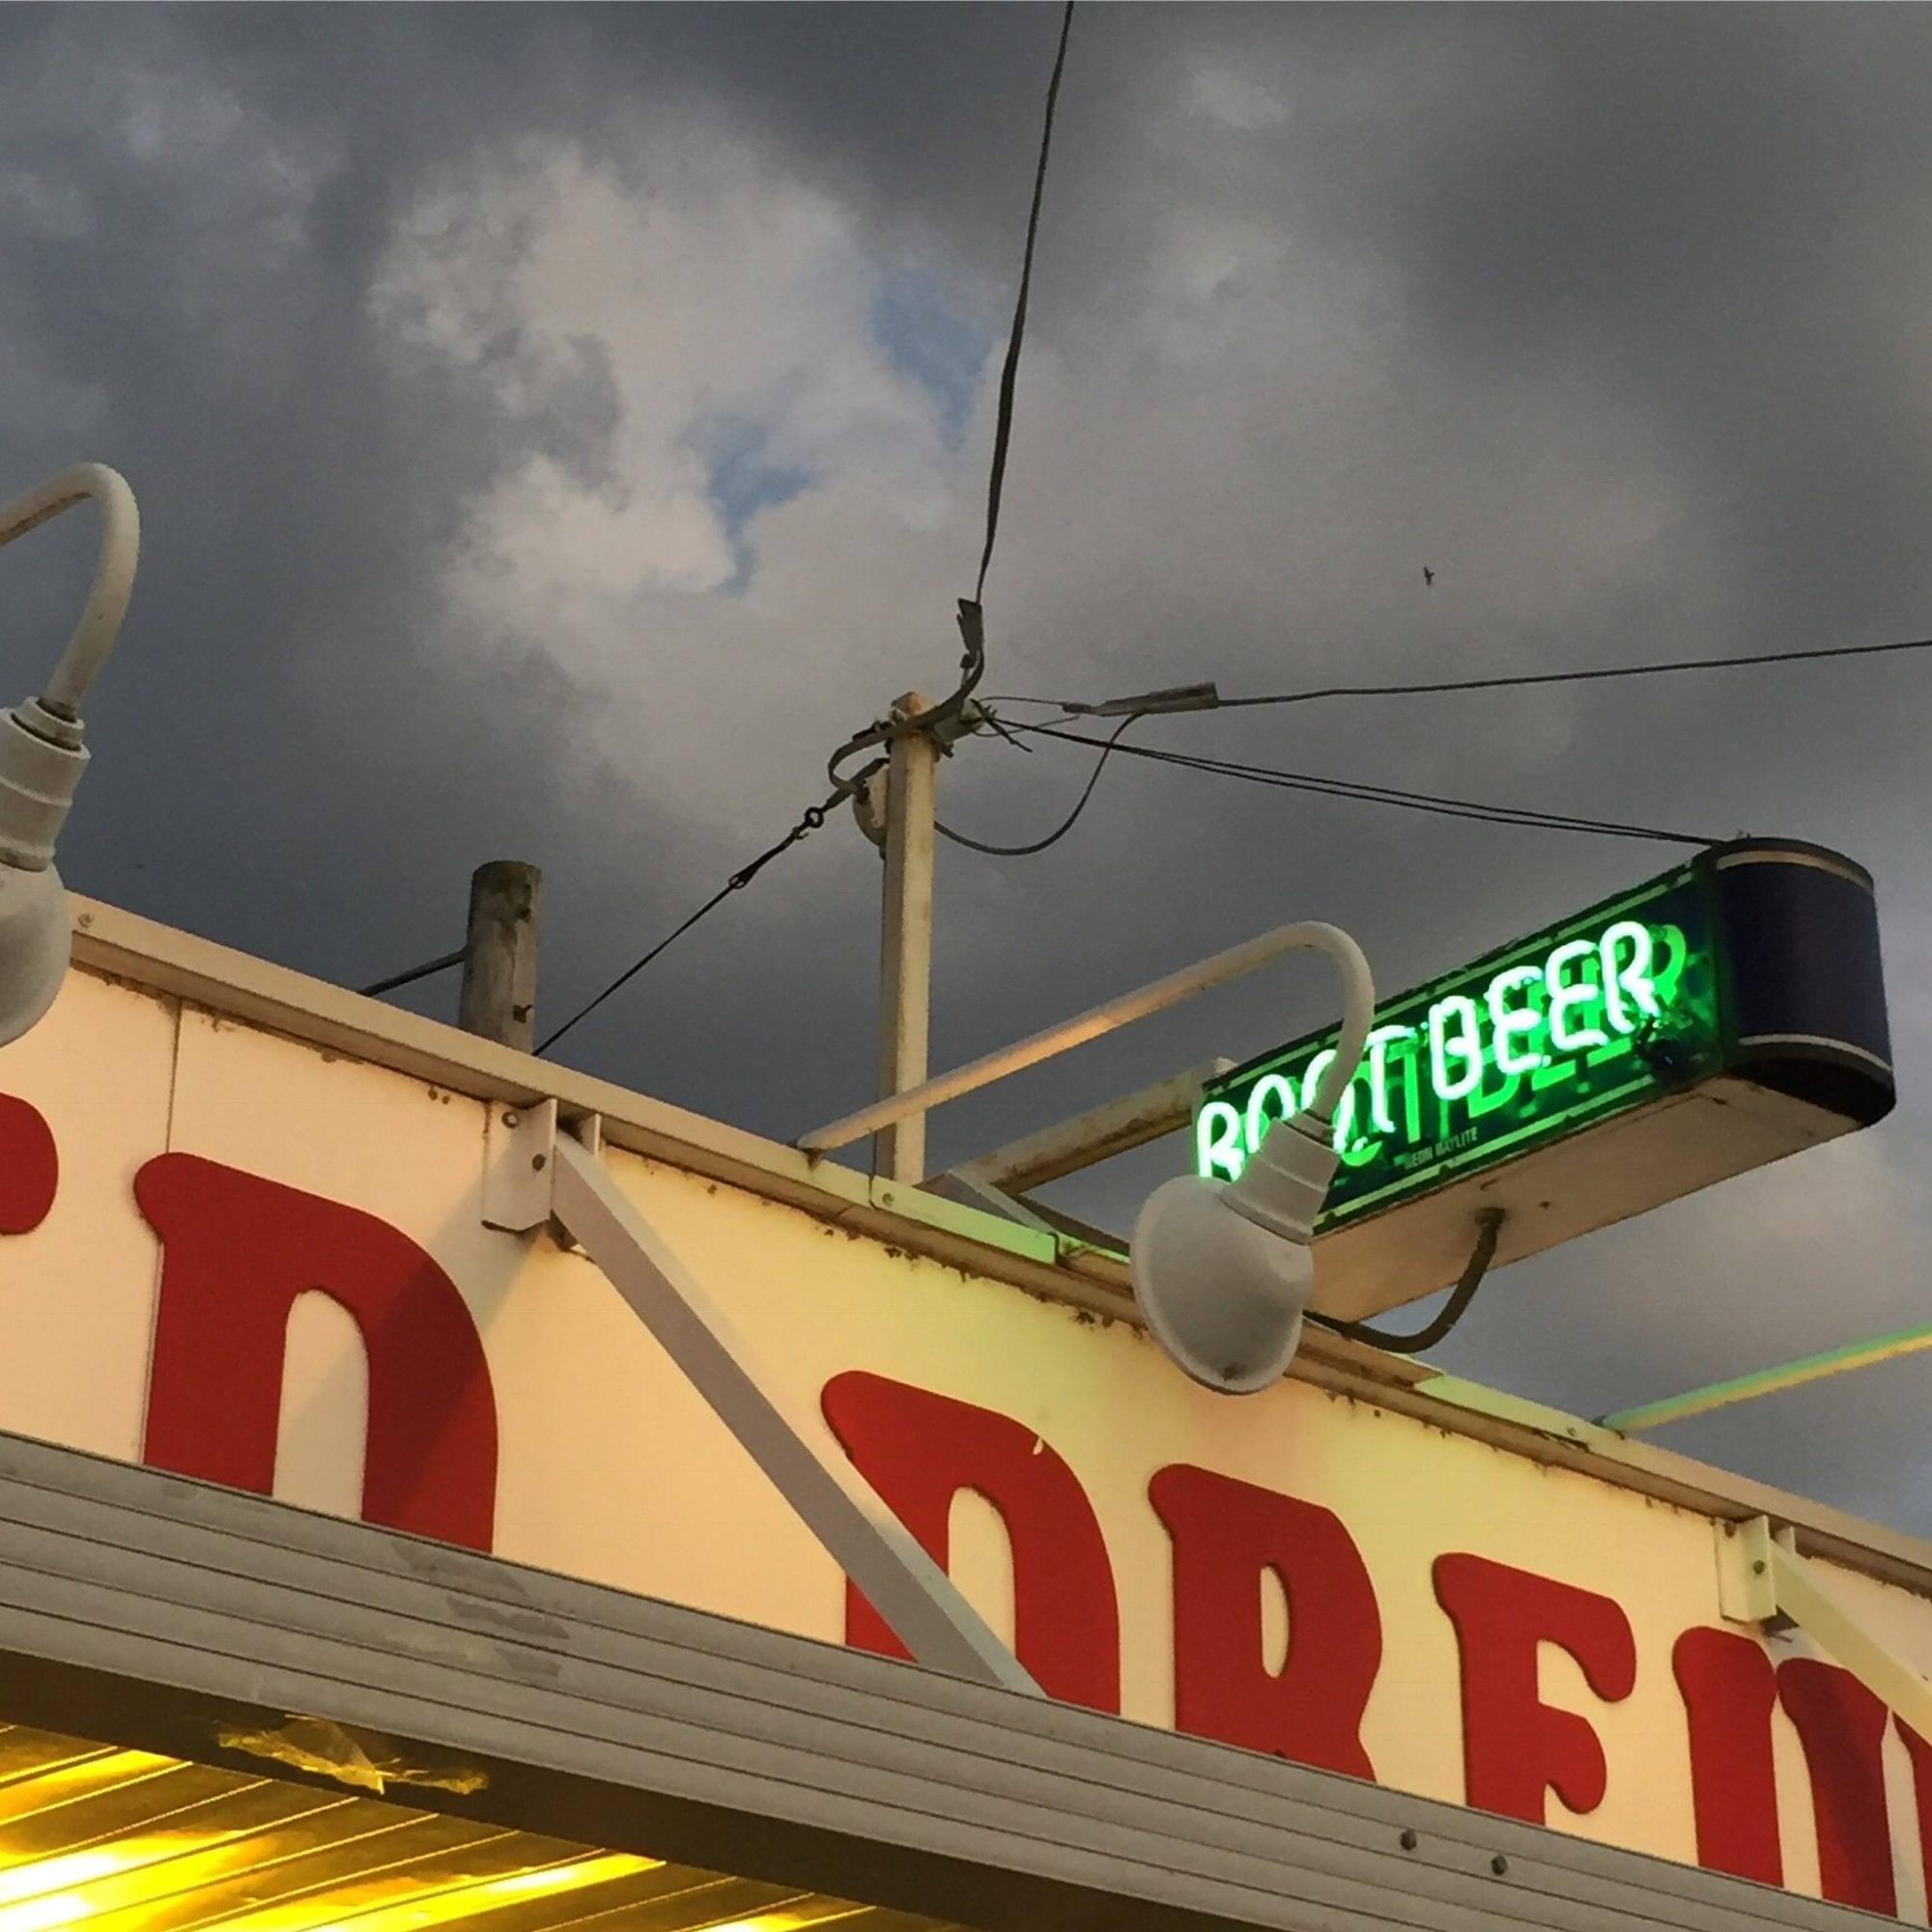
x=1763, y=1581
x=535, y=1176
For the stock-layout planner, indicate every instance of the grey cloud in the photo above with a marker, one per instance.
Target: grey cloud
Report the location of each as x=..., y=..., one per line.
x=1612, y=316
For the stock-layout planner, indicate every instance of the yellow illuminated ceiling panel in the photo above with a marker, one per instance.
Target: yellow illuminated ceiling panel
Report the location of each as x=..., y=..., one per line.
x=107, y=1841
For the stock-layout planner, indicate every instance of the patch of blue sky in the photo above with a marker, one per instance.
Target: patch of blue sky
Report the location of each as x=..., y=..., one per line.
x=742, y=480
x=929, y=342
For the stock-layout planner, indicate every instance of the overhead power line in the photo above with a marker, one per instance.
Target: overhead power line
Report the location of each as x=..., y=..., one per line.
x=1514, y=680
x=943, y=720
x=972, y=664
x=1003, y=427
x=1590, y=676
x=1196, y=697
x=1373, y=794
x=813, y=817
x=1435, y=804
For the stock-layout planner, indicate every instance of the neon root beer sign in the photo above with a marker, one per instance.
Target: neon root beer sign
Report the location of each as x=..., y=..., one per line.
x=1571, y=1027
x=1754, y=965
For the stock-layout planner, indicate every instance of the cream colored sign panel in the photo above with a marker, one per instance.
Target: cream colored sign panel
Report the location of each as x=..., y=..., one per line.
x=265, y=1263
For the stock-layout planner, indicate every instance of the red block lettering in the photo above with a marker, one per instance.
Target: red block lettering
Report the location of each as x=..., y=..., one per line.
x=1515, y=1746
x=1729, y=1691
x=919, y=1450
x=1841, y=1726
x=29, y=1165
x=1225, y=1533
x=1919, y=1753
x=236, y=1251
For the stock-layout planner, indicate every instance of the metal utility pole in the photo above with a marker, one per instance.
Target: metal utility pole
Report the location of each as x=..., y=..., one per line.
x=905, y=958
x=500, y=954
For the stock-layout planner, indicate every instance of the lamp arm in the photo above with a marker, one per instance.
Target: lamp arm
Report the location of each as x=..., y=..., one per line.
x=1286, y=1179
x=1358, y=1014
x=113, y=571
x=43, y=752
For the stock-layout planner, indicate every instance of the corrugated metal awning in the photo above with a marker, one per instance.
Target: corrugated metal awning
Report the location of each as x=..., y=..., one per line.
x=461, y=1722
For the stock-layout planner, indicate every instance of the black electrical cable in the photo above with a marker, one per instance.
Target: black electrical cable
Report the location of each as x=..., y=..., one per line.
x=1518, y=680
x=1591, y=676
x=414, y=973
x=1374, y=794
x=971, y=615
x=972, y=662
x=1488, y=1227
x=1003, y=427
x=1432, y=803
x=1065, y=825
x=813, y=817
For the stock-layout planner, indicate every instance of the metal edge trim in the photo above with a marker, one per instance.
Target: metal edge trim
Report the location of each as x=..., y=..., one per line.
x=1815, y=1040
x=1848, y=869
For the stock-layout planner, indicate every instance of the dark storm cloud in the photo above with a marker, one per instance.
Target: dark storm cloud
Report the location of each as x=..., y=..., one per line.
x=266, y=736
x=1610, y=316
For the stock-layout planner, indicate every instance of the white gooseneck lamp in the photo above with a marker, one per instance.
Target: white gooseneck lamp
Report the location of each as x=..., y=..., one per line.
x=43, y=752
x=1223, y=1270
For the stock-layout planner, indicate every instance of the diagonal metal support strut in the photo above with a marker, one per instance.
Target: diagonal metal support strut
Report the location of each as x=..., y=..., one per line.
x=839, y=1506
x=1762, y=1579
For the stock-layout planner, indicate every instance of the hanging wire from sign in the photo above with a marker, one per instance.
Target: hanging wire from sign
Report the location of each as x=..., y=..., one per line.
x=947, y=719
x=1489, y=1229
x=813, y=818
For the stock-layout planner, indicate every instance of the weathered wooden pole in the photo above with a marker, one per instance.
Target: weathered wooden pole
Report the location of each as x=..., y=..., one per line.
x=500, y=954
x=905, y=963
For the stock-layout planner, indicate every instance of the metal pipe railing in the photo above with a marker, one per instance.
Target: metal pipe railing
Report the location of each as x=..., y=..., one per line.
x=1237, y=962
x=1829, y=1362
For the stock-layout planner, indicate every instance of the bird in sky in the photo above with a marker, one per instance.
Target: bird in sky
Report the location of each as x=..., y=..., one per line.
x=1427, y=575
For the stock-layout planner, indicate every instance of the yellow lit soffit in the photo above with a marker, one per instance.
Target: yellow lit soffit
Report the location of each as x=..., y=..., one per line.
x=98, y=1839
x=826, y=1912
x=410, y=1907
x=79, y=1887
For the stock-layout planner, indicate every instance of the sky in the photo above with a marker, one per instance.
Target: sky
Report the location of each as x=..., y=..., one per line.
x=556, y=429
